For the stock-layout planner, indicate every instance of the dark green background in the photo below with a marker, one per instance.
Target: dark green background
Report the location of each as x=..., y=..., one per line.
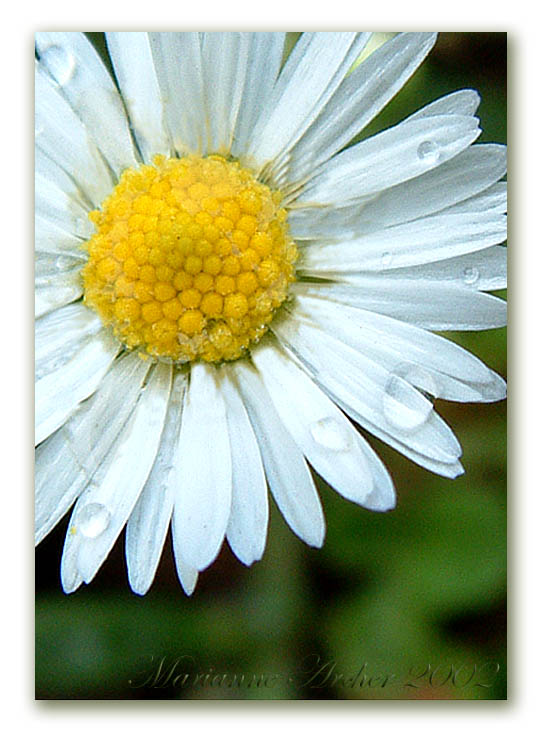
x=417, y=594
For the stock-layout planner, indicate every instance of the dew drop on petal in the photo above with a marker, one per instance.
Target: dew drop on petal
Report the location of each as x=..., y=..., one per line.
x=60, y=64
x=93, y=519
x=417, y=376
x=330, y=435
x=397, y=408
x=428, y=152
x=387, y=257
x=63, y=263
x=470, y=276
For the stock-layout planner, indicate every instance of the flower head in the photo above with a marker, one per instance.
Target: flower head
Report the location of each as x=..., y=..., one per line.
x=223, y=286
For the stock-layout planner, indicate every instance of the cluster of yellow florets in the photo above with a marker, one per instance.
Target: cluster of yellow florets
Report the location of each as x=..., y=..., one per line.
x=190, y=260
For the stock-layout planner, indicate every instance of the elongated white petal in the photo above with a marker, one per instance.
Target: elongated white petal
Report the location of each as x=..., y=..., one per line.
x=465, y=175
x=57, y=292
x=224, y=64
x=493, y=199
x=74, y=64
x=485, y=270
x=61, y=135
x=59, y=393
x=463, y=102
x=265, y=57
x=248, y=523
x=67, y=461
x=326, y=437
x=428, y=361
x=187, y=575
x=202, y=474
x=178, y=66
x=381, y=401
x=61, y=333
x=119, y=480
x=312, y=73
x=358, y=100
x=60, y=207
x=422, y=241
x=434, y=305
x=399, y=154
x=149, y=522
x=53, y=175
x=53, y=239
x=133, y=64
x=288, y=475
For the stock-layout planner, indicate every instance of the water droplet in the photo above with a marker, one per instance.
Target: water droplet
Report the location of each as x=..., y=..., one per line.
x=418, y=377
x=400, y=408
x=63, y=263
x=60, y=64
x=38, y=130
x=330, y=434
x=93, y=519
x=428, y=152
x=471, y=276
x=387, y=257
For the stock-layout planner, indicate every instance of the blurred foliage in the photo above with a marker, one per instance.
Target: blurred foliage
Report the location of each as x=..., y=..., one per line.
x=409, y=604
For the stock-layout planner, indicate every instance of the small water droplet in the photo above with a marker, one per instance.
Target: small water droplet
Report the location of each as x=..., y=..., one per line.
x=63, y=263
x=328, y=433
x=428, y=151
x=387, y=257
x=38, y=130
x=471, y=276
x=400, y=410
x=93, y=519
x=60, y=63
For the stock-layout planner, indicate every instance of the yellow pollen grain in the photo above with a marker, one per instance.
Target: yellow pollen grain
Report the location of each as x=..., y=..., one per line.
x=190, y=259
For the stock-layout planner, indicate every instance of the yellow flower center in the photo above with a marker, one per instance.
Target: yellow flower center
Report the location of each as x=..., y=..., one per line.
x=190, y=260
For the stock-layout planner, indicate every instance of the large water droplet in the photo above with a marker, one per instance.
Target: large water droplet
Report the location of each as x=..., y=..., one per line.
x=470, y=276
x=418, y=377
x=400, y=408
x=328, y=433
x=93, y=519
x=60, y=64
x=428, y=151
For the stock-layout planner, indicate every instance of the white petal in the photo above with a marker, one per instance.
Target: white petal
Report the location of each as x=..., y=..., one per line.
x=61, y=208
x=428, y=361
x=248, y=523
x=119, y=480
x=398, y=154
x=312, y=73
x=61, y=290
x=288, y=475
x=224, y=64
x=202, y=474
x=358, y=100
x=187, y=575
x=61, y=135
x=464, y=176
x=54, y=175
x=493, y=199
x=463, y=102
x=422, y=241
x=63, y=332
x=485, y=270
x=67, y=461
x=265, y=57
x=149, y=522
x=431, y=305
x=51, y=238
x=81, y=76
x=178, y=65
x=134, y=68
x=59, y=393
x=328, y=440
x=381, y=401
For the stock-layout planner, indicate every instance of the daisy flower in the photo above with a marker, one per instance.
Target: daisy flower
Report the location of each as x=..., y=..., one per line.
x=224, y=284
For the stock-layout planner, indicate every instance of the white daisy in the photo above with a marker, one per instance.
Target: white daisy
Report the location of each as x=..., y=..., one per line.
x=246, y=285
